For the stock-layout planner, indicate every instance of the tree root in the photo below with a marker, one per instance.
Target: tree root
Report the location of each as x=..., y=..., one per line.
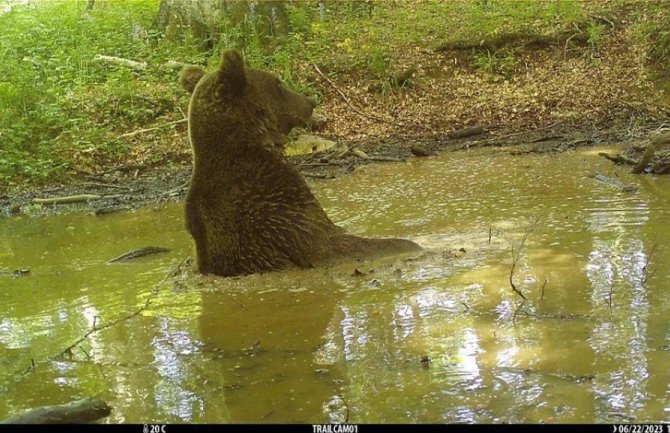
x=656, y=142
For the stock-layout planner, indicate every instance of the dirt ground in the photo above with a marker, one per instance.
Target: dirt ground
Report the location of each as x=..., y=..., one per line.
x=130, y=187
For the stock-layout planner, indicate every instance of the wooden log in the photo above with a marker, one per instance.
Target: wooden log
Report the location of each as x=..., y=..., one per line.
x=465, y=133
x=77, y=412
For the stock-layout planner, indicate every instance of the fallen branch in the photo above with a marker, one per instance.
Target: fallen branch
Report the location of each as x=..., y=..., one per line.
x=141, y=131
x=72, y=199
x=77, y=412
x=140, y=66
x=140, y=252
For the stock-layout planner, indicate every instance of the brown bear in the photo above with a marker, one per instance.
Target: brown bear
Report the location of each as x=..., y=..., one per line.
x=248, y=209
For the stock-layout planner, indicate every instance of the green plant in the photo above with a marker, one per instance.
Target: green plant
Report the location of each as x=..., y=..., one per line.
x=378, y=61
x=596, y=32
x=500, y=62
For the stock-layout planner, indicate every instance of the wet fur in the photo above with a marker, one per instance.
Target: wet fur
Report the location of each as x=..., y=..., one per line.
x=247, y=208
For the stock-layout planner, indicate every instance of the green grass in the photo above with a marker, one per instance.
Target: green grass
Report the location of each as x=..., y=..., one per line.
x=60, y=107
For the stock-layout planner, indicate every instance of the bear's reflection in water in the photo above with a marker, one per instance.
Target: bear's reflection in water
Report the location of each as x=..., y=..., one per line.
x=266, y=337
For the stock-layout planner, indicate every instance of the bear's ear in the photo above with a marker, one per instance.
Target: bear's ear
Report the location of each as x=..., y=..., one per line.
x=189, y=77
x=233, y=73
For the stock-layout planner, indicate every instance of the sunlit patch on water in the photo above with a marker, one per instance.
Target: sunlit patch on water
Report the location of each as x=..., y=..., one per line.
x=439, y=336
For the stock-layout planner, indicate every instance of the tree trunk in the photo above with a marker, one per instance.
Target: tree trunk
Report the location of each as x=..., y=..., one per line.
x=197, y=18
x=263, y=22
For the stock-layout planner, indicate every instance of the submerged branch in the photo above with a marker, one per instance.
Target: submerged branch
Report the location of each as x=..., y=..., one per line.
x=140, y=252
x=95, y=328
x=515, y=260
x=77, y=412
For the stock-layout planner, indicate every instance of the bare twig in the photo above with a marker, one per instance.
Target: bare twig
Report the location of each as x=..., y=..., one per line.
x=88, y=357
x=515, y=260
x=565, y=48
x=141, y=131
x=610, y=295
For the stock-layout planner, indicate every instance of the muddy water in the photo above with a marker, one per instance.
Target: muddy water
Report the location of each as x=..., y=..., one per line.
x=439, y=337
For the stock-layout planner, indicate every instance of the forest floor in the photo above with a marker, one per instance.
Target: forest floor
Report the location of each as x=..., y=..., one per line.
x=542, y=84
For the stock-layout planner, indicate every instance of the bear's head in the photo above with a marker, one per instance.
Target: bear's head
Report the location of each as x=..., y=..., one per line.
x=236, y=98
